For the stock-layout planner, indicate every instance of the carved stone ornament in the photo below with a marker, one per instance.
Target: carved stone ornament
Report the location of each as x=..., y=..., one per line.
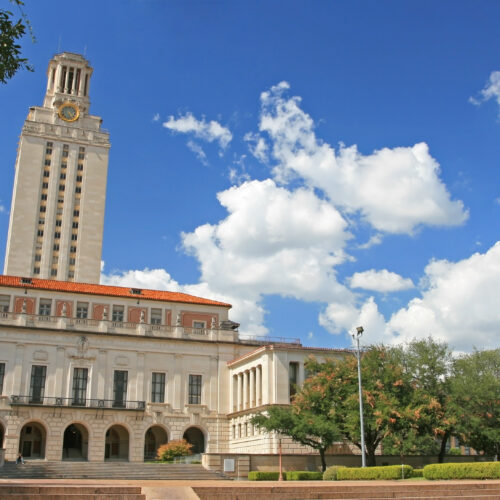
x=82, y=345
x=178, y=321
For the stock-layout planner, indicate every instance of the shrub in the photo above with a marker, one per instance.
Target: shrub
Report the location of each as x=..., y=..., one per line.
x=330, y=474
x=469, y=470
x=257, y=475
x=303, y=475
x=417, y=473
x=169, y=451
x=455, y=452
x=388, y=472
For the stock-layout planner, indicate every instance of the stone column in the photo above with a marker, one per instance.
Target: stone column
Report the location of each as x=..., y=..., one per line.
x=58, y=389
x=245, y=389
x=252, y=387
x=258, y=384
x=99, y=379
x=240, y=391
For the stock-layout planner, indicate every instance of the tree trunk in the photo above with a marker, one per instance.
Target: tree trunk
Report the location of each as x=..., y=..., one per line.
x=370, y=456
x=442, y=451
x=323, y=461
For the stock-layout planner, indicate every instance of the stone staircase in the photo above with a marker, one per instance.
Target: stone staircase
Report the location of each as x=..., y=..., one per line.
x=408, y=490
x=39, y=469
x=76, y=492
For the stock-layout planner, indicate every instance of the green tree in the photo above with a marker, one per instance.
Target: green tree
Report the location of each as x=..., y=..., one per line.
x=476, y=389
x=11, y=31
x=428, y=364
x=308, y=420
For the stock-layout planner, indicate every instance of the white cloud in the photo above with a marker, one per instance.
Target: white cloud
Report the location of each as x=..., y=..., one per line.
x=198, y=151
x=380, y=281
x=395, y=190
x=497, y=200
x=258, y=146
x=458, y=305
x=376, y=239
x=2, y=209
x=490, y=91
x=156, y=117
x=208, y=131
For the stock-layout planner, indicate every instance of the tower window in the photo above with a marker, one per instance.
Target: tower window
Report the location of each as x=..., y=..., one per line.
x=80, y=167
x=81, y=156
x=78, y=189
x=61, y=187
x=43, y=208
x=48, y=151
x=39, y=232
x=65, y=154
x=62, y=176
x=56, y=247
x=72, y=261
x=76, y=213
x=36, y=270
x=38, y=257
x=49, y=144
x=47, y=163
x=46, y=173
x=45, y=185
x=57, y=235
x=53, y=272
x=74, y=237
x=72, y=249
x=75, y=225
x=58, y=223
x=44, y=196
x=79, y=178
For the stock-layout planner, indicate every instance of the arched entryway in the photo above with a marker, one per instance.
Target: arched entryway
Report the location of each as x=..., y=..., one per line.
x=195, y=436
x=32, y=440
x=75, y=443
x=116, y=447
x=155, y=436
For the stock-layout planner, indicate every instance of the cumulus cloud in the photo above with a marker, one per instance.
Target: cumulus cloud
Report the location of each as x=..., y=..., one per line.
x=257, y=145
x=458, y=304
x=490, y=91
x=208, y=131
x=395, y=190
x=198, y=151
x=380, y=281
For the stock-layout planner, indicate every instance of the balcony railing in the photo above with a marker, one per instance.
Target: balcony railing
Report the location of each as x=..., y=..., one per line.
x=111, y=404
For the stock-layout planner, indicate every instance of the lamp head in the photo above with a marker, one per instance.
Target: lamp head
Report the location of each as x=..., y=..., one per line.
x=359, y=330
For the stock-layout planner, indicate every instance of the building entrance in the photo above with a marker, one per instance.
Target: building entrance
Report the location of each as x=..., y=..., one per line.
x=116, y=446
x=194, y=436
x=154, y=438
x=75, y=443
x=32, y=441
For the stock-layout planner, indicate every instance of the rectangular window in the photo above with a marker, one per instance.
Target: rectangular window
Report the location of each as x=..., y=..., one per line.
x=199, y=326
x=61, y=187
x=36, y=270
x=75, y=225
x=74, y=237
x=47, y=162
x=62, y=176
x=293, y=378
x=82, y=310
x=44, y=196
x=2, y=374
x=37, y=385
x=38, y=257
x=80, y=376
x=45, y=307
x=58, y=223
x=39, y=232
x=72, y=261
x=46, y=173
x=117, y=313
x=120, y=388
x=43, y=208
x=4, y=303
x=56, y=247
x=79, y=178
x=156, y=316
x=49, y=144
x=72, y=249
x=158, y=388
x=76, y=213
x=57, y=235
x=45, y=185
x=53, y=272
x=65, y=154
x=48, y=151
x=194, y=389
x=80, y=167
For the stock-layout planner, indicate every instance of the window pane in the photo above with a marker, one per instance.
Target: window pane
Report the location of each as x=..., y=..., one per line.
x=120, y=388
x=45, y=306
x=158, y=388
x=79, y=386
x=37, y=385
x=293, y=378
x=194, y=389
x=2, y=374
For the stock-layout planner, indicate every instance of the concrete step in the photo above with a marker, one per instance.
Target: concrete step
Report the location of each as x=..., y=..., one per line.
x=106, y=470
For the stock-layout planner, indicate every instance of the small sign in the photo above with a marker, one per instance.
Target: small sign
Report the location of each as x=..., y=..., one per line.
x=229, y=465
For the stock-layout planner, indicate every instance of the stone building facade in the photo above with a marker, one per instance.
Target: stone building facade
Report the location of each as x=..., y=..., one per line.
x=93, y=372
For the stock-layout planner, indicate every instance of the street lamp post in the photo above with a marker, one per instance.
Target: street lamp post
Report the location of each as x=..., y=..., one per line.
x=280, y=477
x=355, y=336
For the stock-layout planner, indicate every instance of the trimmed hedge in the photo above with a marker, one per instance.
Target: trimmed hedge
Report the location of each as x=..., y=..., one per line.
x=330, y=474
x=469, y=470
x=417, y=473
x=257, y=475
x=386, y=472
x=303, y=475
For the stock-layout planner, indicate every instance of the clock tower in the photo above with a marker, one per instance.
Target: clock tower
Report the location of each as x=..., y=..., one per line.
x=57, y=212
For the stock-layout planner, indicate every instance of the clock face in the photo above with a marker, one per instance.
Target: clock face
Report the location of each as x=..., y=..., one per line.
x=69, y=112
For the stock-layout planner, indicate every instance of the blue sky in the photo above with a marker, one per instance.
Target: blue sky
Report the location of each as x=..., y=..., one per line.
x=320, y=165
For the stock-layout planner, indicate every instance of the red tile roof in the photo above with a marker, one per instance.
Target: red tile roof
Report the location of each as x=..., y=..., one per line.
x=111, y=291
